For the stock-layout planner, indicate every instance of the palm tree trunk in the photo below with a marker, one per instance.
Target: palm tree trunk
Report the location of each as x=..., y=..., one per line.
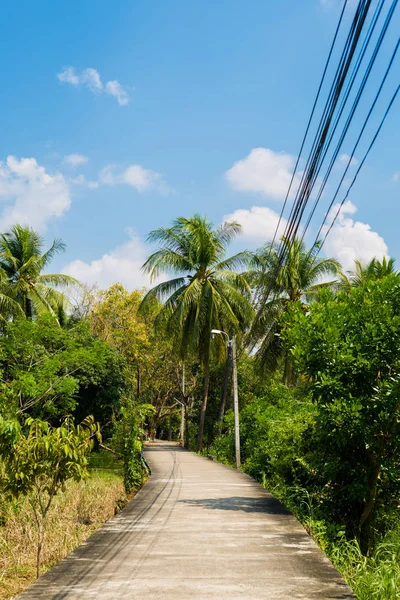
x=204, y=404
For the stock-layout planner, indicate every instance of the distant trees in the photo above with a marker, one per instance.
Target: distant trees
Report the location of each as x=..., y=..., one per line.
x=206, y=293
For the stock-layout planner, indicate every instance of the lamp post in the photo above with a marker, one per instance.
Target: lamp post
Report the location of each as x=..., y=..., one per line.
x=182, y=431
x=232, y=345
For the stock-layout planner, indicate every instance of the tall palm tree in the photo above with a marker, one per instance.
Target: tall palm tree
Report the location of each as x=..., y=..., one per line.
x=9, y=307
x=282, y=274
x=362, y=274
x=22, y=261
x=206, y=293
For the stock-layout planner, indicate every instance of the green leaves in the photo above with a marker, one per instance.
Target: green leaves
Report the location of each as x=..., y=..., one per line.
x=23, y=284
x=280, y=280
x=39, y=458
x=207, y=294
x=347, y=347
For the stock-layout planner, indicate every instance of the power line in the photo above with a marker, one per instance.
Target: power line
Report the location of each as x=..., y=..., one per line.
x=358, y=170
x=353, y=109
x=314, y=160
x=310, y=118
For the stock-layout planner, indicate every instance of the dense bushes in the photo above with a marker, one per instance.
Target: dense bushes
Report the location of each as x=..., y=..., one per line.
x=329, y=447
x=348, y=348
x=127, y=440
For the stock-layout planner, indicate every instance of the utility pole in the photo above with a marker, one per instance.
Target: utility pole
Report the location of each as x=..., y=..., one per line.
x=232, y=346
x=235, y=401
x=182, y=431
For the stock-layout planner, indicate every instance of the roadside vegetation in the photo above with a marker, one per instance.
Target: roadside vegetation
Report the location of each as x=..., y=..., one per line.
x=82, y=369
x=74, y=516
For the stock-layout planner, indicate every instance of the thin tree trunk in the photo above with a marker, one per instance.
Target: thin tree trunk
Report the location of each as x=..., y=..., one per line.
x=187, y=426
x=204, y=404
x=39, y=548
x=29, y=312
x=287, y=378
x=372, y=485
x=39, y=551
x=138, y=382
x=224, y=391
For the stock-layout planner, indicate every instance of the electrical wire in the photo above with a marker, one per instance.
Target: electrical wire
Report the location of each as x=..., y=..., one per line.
x=313, y=162
x=343, y=104
x=357, y=172
x=310, y=118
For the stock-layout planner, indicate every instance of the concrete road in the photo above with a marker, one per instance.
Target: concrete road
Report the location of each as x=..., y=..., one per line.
x=197, y=530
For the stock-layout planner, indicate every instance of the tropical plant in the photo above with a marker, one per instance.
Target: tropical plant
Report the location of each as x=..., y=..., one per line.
x=22, y=260
x=363, y=274
x=9, y=306
x=206, y=294
x=48, y=371
x=40, y=459
x=127, y=441
x=282, y=274
x=347, y=348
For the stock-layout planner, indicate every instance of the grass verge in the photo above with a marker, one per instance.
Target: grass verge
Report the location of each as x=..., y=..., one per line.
x=75, y=515
x=372, y=577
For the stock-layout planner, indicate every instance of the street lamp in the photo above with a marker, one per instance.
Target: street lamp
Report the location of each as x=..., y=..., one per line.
x=232, y=345
x=182, y=428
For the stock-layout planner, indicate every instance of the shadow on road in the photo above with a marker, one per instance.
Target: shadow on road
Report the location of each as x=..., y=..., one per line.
x=241, y=503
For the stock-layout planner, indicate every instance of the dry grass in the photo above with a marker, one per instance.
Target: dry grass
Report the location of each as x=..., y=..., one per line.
x=75, y=515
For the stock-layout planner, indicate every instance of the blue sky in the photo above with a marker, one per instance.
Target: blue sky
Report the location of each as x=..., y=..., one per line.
x=130, y=114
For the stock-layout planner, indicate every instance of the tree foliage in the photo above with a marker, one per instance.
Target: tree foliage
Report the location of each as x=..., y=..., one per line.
x=279, y=280
x=348, y=348
x=40, y=459
x=22, y=262
x=207, y=292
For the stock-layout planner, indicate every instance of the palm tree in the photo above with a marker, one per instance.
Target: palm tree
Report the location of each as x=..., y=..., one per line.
x=361, y=274
x=281, y=275
x=22, y=261
x=207, y=292
x=9, y=307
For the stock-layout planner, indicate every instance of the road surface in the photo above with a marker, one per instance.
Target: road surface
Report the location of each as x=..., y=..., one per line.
x=197, y=530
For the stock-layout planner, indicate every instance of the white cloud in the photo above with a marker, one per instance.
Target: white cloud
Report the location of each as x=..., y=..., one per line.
x=344, y=158
x=90, y=78
x=264, y=171
x=395, y=176
x=114, y=88
x=121, y=265
x=137, y=177
x=351, y=240
x=75, y=160
x=81, y=180
x=69, y=76
x=259, y=223
x=31, y=195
